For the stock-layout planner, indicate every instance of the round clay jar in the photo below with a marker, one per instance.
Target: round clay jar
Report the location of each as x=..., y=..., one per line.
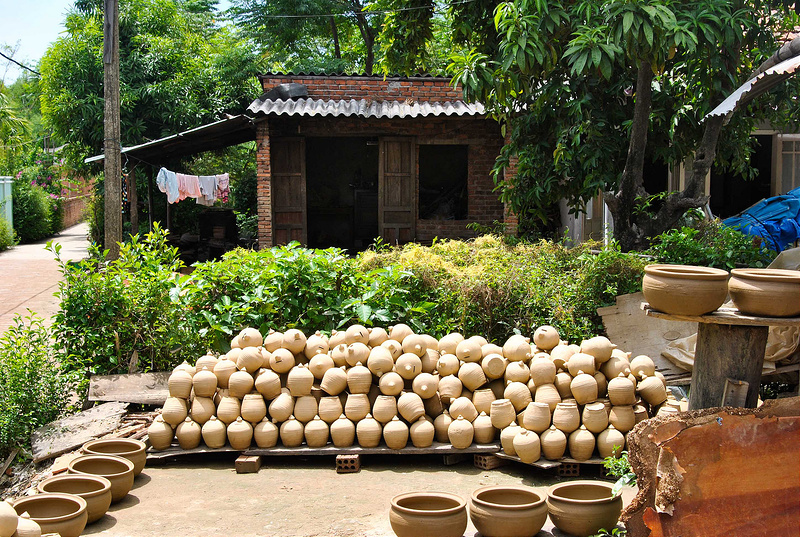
x=428, y=514
x=507, y=511
x=582, y=508
x=684, y=289
x=766, y=292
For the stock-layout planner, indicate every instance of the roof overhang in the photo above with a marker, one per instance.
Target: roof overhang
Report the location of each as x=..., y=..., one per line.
x=231, y=131
x=363, y=108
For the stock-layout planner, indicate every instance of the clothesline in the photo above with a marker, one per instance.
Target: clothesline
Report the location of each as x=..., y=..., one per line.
x=206, y=189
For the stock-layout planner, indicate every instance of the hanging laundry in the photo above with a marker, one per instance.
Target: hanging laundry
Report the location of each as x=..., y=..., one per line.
x=167, y=182
x=208, y=188
x=223, y=187
x=188, y=186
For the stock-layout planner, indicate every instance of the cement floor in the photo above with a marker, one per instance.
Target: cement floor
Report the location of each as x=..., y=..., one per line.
x=292, y=496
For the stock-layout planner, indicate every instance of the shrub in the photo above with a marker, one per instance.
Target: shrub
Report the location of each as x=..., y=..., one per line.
x=7, y=236
x=34, y=386
x=712, y=244
x=33, y=212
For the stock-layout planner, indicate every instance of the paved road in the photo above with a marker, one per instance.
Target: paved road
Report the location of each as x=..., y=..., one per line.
x=29, y=275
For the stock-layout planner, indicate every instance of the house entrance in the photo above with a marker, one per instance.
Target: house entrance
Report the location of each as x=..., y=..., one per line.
x=342, y=192
x=732, y=193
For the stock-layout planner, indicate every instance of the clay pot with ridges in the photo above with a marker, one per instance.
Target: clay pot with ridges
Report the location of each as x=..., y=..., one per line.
x=422, y=432
x=517, y=372
x=560, y=354
x=494, y=366
x=462, y=406
x=330, y=408
x=582, y=508
x=94, y=489
x=484, y=430
x=610, y=442
x=266, y=433
x=175, y=410
x=482, y=399
x=369, y=432
x=425, y=385
x=581, y=444
x=547, y=393
x=507, y=436
x=204, y=383
x=527, y=446
x=415, y=344
x=517, y=348
x=343, y=432
x=600, y=347
x=268, y=384
x=766, y=292
x=128, y=448
x=305, y=408
x=507, y=511
x=554, y=443
x=684, y=289
x=253, y=408
x=408, y=366
x=428, y=514
x=584, y=388
x=316, y=433
x=377, y=335
x=622, y=418
x=356, y=352
x=250, y=359
x=240, y=384
x=536, y=417
x=546, y=337
x=441, y=424
x=64, y=514
x=334, y=381
x=118, y=470
x=180, y=384
x=282, y=360
x=188, y=433
x=581, y=362
x=469, y=351
x=399, y=332
x=357, y=406
x=502, y=413
x=519, y=395
x=384, y=408
x=595, y=417
x=160, y=433
x=652, y=390
x=391, y=384
x=281, y=407
x=448, y=344
x=316, y=344
x=621, y=391
x=450, y=387
x=460, y=433
x=223, y=371
x=566, y=417
x=395, y=434
x=291, y=432
x=380, y=361
x=214, y=433
x=410, y=406
x=472, y=376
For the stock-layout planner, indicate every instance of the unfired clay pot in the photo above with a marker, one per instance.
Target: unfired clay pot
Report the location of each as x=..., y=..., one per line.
x=291, y=432
x=517, y=348
x=448, y=344
x=450, y=388
x=482, y=399
x=65, y=514
x=560, y=355
x=299, y=381
x=517, y=372
x=27, y=527
x=554, y=443
x=536, y=417
x=175, y=410
x=253, y=407
x=204, y=383
x=562, y=384
x=180, y=384
x=548, y=393
x=507, y=511
x=684, y=289
x=507, y=436
x=595, y=417
x=448, y=364
x=357, y=406
x=250, y=359
x=408, y=366
x=202, y=409
x=391, y=384
x=622, y=418
x=116, y=469
x=188, y=433
x=356, y=353
x=128, y=448
x=460, y=433
x=380, y=361
x=316, y=433
x=415, y=344
x=581, y=444
x=377, y=335
x=268, y=384
x=652, y=390
x=519, y=394
x=610, y=442
x=546, y=337
x=330, y=408
x=223, y=371
x=95, y=489
x=428, y=514
x=566, y=417
x=359, y=379
x=527, y=446
x=543, y=371
x=240, y=434
x=240, y=384
x=422, y=432
x=766, y=292
x=394, y=347
x=463, y=406
x=582, y=508
x=384, y=408
x=229, y=409
x=214, y=433
x=8, y=518
x=581, y=362
x=281, y=361
x=599, y=347
x=584, y=388
x=305, y=408
x=160, y=434
x=484, y=430
x=369, y=432
x=469, y=350
x=614, y=366
x=494, y=366
x=343, y=432
x=425, y=385
x=621, y=390
x=266, y=433
x=395, y=434
x=334, y=381
x=294, y=340
x=502, y=413
x=441, y=424
x=280, y=408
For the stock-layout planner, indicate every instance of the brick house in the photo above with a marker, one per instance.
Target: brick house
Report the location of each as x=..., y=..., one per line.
x=346, y=159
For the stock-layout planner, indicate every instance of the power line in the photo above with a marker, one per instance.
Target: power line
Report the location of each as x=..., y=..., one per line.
x=368, y=12
x=37, y=73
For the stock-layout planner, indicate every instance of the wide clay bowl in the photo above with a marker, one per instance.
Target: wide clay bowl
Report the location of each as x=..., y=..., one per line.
x=64, y=514
x=766, y=292
x=582, y=508
x=118, y=470
x=684, y=289
x=428, y=514
x=507, y=511
x=96, y=490
x=133, y=450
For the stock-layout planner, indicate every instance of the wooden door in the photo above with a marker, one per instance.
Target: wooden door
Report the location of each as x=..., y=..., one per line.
x=397, y=212
x=288, y=161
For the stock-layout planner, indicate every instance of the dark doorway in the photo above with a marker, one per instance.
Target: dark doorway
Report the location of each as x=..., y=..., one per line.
x=731, y=193
x=342, y=192
x=443, y=182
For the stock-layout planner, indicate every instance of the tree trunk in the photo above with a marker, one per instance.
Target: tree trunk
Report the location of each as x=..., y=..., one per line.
x=112, y=144
x=337, y=52
x=623, y=203
x=369, y=40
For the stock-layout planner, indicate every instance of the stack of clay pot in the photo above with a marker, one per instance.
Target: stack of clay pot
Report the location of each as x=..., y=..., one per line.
x=368, y=385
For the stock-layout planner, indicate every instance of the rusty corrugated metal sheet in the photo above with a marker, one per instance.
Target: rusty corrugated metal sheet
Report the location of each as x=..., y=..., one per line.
x=363, y=108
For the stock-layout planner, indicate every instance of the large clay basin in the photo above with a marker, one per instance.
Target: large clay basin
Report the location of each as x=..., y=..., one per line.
x=95, y=489
x=684, y=289
x=428, y=514
x=133, y=450
x=766, y=292
x=64, y=514
x=118, y=470
x=507, y=511
x=582, y=508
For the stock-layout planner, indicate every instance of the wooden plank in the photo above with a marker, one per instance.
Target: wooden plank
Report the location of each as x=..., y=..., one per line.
x=176, y=451
x=73, y=431
x=9, y=460
x=541, y=463
x=247, y=464
x=728, y=316
x=139, y=388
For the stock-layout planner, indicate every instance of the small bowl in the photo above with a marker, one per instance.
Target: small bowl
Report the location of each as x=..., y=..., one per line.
x=428, y=514
x=582, y=508
x=766, y=292
x=133, y=450
x=64, y=514
x=684, y=289
x=507, y=511
x=96, y=490
x=118, y=470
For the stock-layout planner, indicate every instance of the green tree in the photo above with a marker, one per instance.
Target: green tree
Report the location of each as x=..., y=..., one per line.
x=588, y=90
x=178, y=69
x=14, y=132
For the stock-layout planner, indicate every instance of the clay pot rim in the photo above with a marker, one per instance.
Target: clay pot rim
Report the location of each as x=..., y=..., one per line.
x=462, y=504
x=686, y=272
x=122, y=460
x=140, y=446
x=551, y=492
x=106, y=484
x=508, y=507
x=82, y=505
x=767, y=275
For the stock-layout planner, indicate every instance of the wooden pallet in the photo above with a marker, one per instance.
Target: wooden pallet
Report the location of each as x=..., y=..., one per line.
x=565, y=467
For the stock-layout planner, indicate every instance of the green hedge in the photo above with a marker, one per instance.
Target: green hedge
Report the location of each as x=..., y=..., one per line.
x=33, y=211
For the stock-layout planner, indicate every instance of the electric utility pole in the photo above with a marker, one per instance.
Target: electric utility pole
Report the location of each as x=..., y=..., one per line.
x=112, y=145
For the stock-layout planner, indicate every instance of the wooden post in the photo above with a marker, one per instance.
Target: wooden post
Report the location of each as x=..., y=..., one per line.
x=726, y=352
x=150, y=200
x=133, y=200
x=112, y=144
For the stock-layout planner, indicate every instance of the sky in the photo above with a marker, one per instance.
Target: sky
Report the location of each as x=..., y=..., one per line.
x=32, y=25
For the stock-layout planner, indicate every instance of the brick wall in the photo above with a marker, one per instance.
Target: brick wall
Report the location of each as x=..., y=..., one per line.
x=264, y=185
x=421, y=89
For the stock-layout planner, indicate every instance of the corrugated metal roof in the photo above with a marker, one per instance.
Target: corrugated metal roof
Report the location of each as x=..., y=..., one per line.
x=363, y=108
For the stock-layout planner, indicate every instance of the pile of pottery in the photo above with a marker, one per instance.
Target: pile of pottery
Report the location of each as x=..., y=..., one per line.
x=365, y=386
x=579, y=508
x=691, y=290
x=66, y=503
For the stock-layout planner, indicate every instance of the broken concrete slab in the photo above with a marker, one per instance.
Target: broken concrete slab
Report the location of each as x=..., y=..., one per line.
x=139, y=388
x=73, y=431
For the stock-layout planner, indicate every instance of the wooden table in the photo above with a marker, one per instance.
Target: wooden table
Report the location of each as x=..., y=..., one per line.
x=729, y=355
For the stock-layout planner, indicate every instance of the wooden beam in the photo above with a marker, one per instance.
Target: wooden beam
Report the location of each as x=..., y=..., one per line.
x=139, y=388
x=73, y=431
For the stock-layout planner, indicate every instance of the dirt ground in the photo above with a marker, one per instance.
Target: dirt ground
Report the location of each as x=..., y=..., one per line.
x=293, y=496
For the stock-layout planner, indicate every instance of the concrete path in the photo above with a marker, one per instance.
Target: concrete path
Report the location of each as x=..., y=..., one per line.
x=29, y=274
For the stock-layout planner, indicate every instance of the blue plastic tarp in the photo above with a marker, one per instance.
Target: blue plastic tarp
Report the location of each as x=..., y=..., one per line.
x=776, y=220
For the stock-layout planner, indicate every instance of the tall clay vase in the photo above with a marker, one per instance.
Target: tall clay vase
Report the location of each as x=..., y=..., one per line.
x=266, y=433
x=300, y=381
x=536, y=417
x=502, y=413
x=369, y=432
x=507, y=436
x=582, y=508
x=188, y=433
x=305, y=408
x=385, y=408
x=240, y=434
x=484, y=430
x=621, y=390
x=428, y=514
x=316, y=433
x=240, y=384
x=330, y=408
x=461, y=433
x=204, y=383
x=548, y=393
x=291, y=432
x=214, y=433
x=253, y=407
x=507, y=511
x=422, y=433
x=554, y=443
x=395, y=434
x=610, y=442
x=622, y=418
x=281, y=407
x=160, y=434
x=566, y=417
x=343, y=432
x=175, y=411
x=357, y=406
x=441, y=424
x=527, y=446
x=594, y=417
x=581, y=444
